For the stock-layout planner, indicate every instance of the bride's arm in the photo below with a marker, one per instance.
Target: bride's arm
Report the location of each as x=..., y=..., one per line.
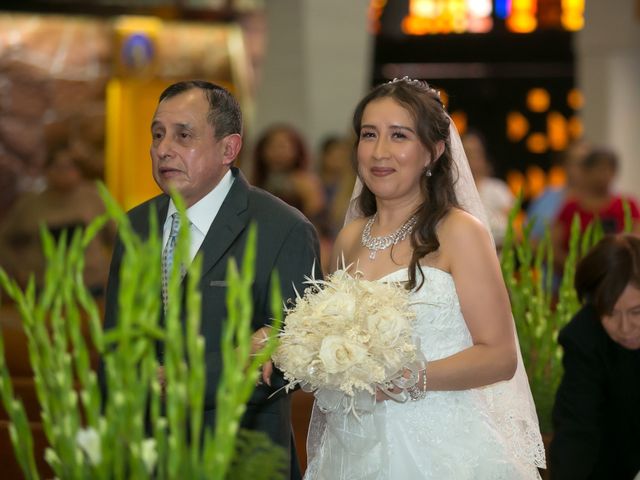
x=485, y=306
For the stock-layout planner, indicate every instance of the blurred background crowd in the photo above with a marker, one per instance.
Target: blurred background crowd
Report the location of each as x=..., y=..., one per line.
x=544, y=93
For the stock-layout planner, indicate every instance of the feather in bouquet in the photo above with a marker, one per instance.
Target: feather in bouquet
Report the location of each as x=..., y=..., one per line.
x=347, y=334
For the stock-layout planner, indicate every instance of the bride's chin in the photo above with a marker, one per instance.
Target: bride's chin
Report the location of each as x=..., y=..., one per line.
x=381, y=189
x=386, y=195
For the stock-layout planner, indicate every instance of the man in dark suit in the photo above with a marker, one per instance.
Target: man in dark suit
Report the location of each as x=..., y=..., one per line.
x=196, y=136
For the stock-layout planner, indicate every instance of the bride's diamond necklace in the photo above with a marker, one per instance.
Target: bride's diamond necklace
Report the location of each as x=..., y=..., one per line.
x=382, y=243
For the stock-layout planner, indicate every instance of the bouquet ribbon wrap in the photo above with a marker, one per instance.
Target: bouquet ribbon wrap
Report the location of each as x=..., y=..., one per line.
x=356, y=433
x=351, y=421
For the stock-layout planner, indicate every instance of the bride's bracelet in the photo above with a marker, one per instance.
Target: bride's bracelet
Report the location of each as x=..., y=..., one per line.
x=417, y=393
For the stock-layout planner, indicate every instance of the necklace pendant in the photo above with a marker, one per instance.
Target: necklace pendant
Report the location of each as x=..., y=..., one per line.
x=382, y=243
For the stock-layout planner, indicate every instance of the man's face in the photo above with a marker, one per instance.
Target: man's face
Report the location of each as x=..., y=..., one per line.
x=184, y=151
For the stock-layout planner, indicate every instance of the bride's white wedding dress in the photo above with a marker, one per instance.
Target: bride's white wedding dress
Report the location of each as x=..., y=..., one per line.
x=457, y=435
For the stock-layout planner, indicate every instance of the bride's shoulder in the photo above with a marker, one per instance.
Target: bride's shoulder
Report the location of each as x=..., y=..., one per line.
x=460, y=226
x=463, y=239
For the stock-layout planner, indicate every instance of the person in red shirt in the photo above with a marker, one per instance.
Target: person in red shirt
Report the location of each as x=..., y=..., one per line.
x=595, y=200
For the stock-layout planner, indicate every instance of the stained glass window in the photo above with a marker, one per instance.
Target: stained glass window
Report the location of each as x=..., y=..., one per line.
x=425, y=17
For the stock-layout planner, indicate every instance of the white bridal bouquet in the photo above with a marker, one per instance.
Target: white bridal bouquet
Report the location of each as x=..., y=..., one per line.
x=347, y=335
x=344, y=338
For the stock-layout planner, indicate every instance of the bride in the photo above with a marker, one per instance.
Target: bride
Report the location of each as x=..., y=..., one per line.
x=418, y=220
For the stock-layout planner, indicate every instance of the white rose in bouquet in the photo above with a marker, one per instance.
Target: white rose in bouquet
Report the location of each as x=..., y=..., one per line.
x=339, y=353
x=347, y=334
x=387, y=328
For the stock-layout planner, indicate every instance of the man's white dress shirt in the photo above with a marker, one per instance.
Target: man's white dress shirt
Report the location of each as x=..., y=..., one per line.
x=201, y=215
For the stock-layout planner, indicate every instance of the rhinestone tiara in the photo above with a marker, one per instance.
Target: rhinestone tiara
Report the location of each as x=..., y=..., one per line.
x=421, y=84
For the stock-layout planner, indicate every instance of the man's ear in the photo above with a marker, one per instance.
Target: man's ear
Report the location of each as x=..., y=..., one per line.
x=232, y=145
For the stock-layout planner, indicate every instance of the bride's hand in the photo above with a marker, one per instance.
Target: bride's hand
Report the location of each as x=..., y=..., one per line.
x=399, y=393
x=382, y=395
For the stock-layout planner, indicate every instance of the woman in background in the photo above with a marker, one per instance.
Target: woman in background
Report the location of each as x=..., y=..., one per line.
x=595, y=199
x=597, y=411
x=496, y=197
x=543, y=209
x=69, y=201
x=337, y=178
x=282, y=168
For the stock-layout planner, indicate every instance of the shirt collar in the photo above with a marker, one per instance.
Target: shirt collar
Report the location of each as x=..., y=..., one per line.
x=204, y=211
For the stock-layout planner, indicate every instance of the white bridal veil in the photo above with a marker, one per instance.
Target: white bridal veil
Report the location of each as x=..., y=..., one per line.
x=510, y=403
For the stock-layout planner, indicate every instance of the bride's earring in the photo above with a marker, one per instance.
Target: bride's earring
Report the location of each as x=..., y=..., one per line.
x=427, y=172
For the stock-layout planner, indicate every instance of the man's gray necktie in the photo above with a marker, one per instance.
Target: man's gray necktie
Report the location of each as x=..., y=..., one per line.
x=167, y=257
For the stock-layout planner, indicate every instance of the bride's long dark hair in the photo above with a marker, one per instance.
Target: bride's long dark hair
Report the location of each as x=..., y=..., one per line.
x=432, y=124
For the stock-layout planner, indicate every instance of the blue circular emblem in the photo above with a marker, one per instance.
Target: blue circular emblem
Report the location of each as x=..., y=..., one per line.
x=137, y=51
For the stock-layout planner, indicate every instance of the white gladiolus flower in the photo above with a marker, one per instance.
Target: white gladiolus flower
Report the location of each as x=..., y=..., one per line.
x=149, y=454
x=51, y=456
x=88, y=440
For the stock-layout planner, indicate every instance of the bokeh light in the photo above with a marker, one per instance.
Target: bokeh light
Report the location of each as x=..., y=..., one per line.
x=538, y=100
x=537, y=143
x=517, y=126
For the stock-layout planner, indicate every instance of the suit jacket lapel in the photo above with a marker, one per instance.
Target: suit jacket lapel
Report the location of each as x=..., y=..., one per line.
x=231, y=220
x=162, y=207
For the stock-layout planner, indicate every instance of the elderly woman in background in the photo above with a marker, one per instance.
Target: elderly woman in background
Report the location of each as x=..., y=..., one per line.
x=597, y=411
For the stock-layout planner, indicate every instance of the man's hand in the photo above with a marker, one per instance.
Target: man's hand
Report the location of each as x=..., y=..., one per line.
x=267, y=370
x=258, y=339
